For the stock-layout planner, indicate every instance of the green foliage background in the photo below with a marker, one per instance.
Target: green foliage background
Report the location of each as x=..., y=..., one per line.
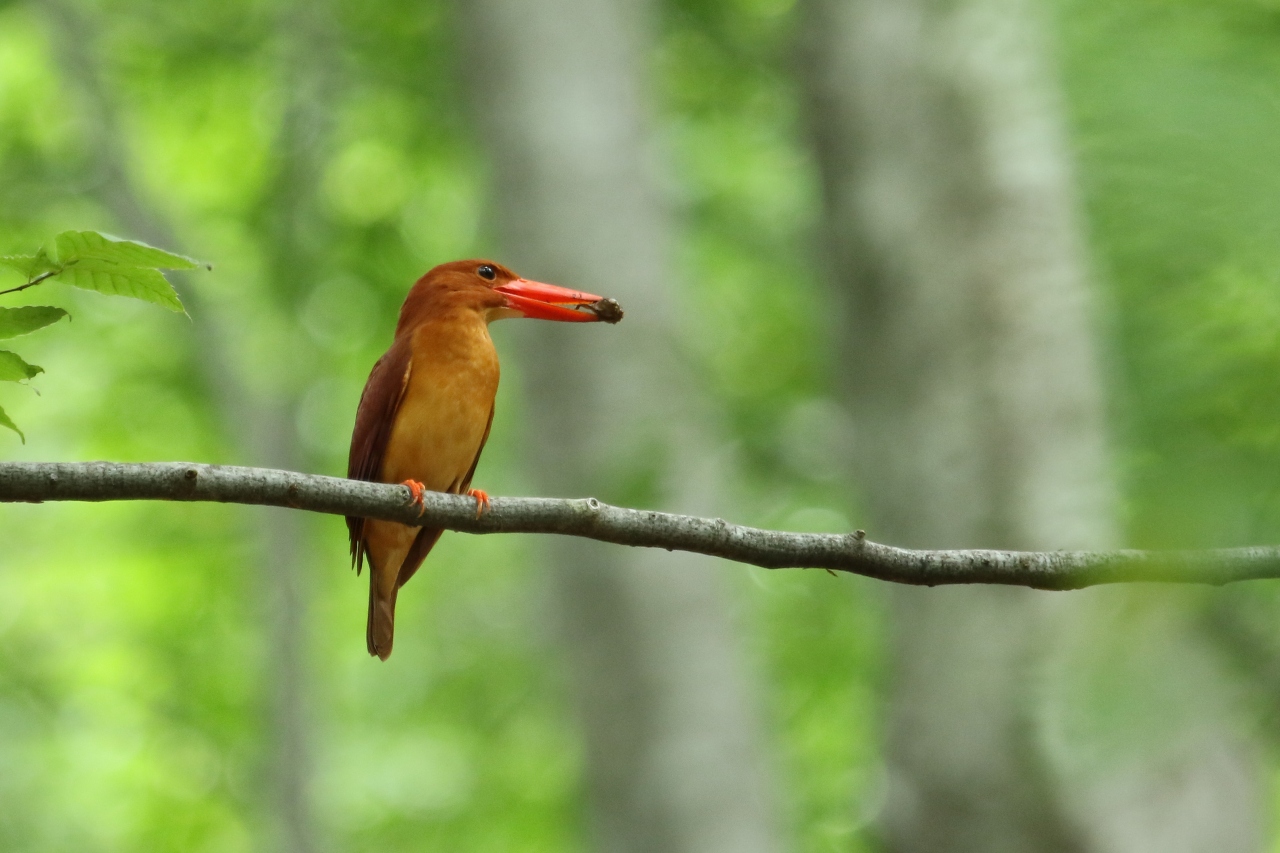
x=133, y=647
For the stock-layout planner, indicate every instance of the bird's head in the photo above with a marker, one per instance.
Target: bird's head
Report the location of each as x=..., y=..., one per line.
x=494, y=292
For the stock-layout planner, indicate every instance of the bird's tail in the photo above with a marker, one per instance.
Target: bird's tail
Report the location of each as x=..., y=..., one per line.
x=383, y=585
x=382, y=617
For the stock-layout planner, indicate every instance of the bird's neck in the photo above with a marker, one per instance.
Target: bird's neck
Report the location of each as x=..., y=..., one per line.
x=455, y=336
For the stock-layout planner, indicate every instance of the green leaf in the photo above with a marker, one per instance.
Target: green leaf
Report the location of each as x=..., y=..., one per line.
x=5, y=422
x=14, y=369
x=20, y=321
x=29, y=265
x=122, y=280
x=74, y=246
x=22, y=263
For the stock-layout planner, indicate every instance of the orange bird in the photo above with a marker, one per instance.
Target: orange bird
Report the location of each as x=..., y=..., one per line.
x=425, y=412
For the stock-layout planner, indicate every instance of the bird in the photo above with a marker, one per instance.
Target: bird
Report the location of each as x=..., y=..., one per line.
x=425, y=413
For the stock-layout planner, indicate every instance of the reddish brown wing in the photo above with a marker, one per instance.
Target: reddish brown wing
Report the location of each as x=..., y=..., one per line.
x=374, y=418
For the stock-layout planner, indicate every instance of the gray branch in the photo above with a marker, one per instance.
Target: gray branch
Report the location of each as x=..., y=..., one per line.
x=36, y=482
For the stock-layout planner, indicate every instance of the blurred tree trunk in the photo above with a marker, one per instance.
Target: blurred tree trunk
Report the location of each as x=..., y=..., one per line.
x=970, y=366
x=292, y=230
x=673, y=758
x=259, y=422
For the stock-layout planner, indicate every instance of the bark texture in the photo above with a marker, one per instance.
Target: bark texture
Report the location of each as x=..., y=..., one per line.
x=673, y=759
x=36, y=482
x=971, y=369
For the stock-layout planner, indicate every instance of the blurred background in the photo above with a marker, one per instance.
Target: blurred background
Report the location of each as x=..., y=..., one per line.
x=994, y=273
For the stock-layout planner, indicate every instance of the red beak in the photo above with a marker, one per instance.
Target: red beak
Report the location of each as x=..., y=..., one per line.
x=550, y=302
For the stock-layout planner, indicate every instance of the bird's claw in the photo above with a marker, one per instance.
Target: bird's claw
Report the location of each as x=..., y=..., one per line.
x=416, y=491
x=482, y=500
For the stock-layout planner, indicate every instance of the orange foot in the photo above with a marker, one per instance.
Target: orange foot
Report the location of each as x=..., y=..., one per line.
x=416, y=491
x=482, y=500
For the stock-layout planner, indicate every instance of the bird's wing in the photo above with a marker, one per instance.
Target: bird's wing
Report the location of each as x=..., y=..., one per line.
x=427, y=537
x=471, y=472
x=375, y=416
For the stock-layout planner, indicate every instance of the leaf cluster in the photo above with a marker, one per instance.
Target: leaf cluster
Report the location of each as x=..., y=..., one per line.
x=89, y=260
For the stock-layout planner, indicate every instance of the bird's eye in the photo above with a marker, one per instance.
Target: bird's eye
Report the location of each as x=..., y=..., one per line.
x=487, y=273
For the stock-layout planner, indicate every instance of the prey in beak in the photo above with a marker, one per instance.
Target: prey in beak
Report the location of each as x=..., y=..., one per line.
x=551, y=302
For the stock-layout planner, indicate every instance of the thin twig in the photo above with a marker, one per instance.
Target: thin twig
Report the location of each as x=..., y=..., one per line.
x=35, y=281
x=847, y=552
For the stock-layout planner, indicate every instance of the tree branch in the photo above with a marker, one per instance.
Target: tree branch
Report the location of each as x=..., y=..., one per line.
x=36, y=482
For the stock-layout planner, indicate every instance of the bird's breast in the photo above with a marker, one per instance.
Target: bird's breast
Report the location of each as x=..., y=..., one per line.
x=442, y=419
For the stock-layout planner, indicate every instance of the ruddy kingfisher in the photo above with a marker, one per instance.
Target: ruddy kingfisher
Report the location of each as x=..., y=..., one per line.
x=426, y=409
